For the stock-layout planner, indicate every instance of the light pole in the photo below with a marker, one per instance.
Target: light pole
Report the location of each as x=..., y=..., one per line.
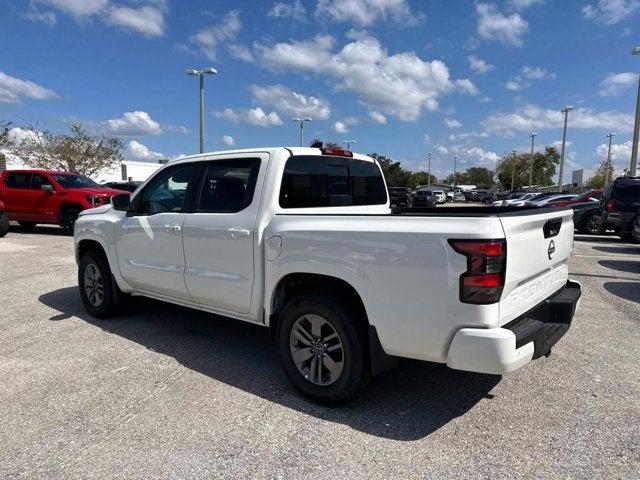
x=200, y=74
x=348, y=143
x=610, y=136
x=566, y=109
x=429, y=174
x=455, y=167
x=301, y=121
x=513, y=169
x=636, y=128
x=533, y=136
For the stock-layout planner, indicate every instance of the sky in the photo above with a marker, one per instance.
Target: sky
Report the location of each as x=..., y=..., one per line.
x=400, y=77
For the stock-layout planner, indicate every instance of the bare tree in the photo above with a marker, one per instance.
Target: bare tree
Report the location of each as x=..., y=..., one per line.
x=5, y=139
x=78, y=151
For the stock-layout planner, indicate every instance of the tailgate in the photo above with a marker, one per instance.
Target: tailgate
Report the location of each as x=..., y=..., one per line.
x=538, y=250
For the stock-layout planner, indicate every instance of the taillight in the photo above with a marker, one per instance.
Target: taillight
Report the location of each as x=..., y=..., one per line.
x=611, y=205
x=483, y=281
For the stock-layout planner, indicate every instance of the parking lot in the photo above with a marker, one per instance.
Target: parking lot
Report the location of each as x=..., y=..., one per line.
x=164, y=391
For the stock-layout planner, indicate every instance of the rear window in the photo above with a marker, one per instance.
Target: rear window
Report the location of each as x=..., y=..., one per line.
x=323, y=181
x=18, y=180
x=628, y=192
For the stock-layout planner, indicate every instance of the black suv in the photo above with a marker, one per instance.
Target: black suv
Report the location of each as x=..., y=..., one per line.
x=400, y=197
x=424, y=199
x=620, y=205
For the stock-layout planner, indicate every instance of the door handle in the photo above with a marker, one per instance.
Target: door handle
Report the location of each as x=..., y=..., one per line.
x=172, y=227
x=237, y=233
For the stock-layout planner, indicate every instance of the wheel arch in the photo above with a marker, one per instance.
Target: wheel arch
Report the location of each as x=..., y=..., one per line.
x=66, y=206
x=297, y=283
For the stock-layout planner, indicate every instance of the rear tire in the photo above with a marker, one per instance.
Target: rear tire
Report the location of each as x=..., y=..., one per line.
x=99, y=293
x=4, y=224
x=69, y=218
x=328, y=342
x=27, y=225
x=627, y=233
x=590, y=225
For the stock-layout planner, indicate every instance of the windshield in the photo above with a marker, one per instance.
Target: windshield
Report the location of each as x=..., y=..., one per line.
x=73, y=180
x=513, y=196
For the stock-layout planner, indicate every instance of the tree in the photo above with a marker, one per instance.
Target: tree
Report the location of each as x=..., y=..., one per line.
x=5, y=138
x=481, y=177
x=396, y=176
x=598, y=179
x=544, y=168
x=77, y=152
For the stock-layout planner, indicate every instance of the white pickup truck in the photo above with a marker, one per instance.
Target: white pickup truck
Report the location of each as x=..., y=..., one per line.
x=302, y=241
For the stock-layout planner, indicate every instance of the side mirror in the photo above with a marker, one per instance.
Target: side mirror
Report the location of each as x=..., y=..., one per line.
x=47, y=188
x=121, y=202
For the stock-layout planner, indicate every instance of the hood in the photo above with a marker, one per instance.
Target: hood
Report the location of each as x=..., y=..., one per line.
x=100, y=209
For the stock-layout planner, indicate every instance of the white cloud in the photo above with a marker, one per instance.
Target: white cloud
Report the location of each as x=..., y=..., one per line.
x=138, y=151
x=467, y=136
x=340, y=127
x=401, y=85
x=478, y=65
x=377, y=117
x=530, y=117
x=615, y=84
x=14, y=90
x=610, y=12
x=452, y=123
x=228, y=140
x=177, y=129
x=241, y=52
x=367, y=12
x=133, y=123
x=252, y=116
x=523, y=4
x=148, y=20
x=537, y=73
x=493, y=25
x=209, y=39
x=290, y=103
x=18, y=134
x=521, y=81
x=476, y=156
x=35, y=15
x=294, y=10
x=76, y=8
x=619, y=151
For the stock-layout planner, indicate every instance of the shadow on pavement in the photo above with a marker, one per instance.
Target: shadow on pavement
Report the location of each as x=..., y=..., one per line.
x=407, y=403
x=598, y=238
x=621, y=265
x=621, y=250
x=44, y=230
x=627, y=290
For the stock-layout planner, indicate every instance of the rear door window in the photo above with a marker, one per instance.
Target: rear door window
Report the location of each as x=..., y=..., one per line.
x=18, y=180
x=38, y=180
x=628, y=192
x=324, y=181
x=228, y=185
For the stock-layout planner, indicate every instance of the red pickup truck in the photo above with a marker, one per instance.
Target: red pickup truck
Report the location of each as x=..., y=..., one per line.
x=40, y=196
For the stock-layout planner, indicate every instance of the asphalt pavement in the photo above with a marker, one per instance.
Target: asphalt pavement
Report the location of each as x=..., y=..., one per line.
x=167, y=392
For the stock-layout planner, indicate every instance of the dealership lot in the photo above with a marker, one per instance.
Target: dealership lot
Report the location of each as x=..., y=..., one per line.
x=166, y=391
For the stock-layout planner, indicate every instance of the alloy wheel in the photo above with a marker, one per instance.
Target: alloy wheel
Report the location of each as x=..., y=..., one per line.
x=316, y=349
x=93, y=284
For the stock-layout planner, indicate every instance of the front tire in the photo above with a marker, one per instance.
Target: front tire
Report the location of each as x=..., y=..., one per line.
x=4, y=224
x=69, y=218
x=322, y=348
x=98, y=291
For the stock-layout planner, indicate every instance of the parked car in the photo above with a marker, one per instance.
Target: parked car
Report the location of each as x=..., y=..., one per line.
x=547, y=201
x=590, y=196
x=586, y=218
x=4, y=220
x=424, y=199
x=516, y=199
x=344, y=285
x=41, y=196
x=439, y=196
x=129, y=186
x=620, y=205
x=400, y=197
x=458, y=196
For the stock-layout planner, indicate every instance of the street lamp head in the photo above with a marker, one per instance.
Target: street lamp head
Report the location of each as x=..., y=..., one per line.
x=533, y=134
x=192, y=72
x=306, y=119
x=635, y=51
x=567, y=108
x=611, y=134
x=209, y=71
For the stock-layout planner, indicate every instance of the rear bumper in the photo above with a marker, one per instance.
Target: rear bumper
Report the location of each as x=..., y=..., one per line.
x=530, y=336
